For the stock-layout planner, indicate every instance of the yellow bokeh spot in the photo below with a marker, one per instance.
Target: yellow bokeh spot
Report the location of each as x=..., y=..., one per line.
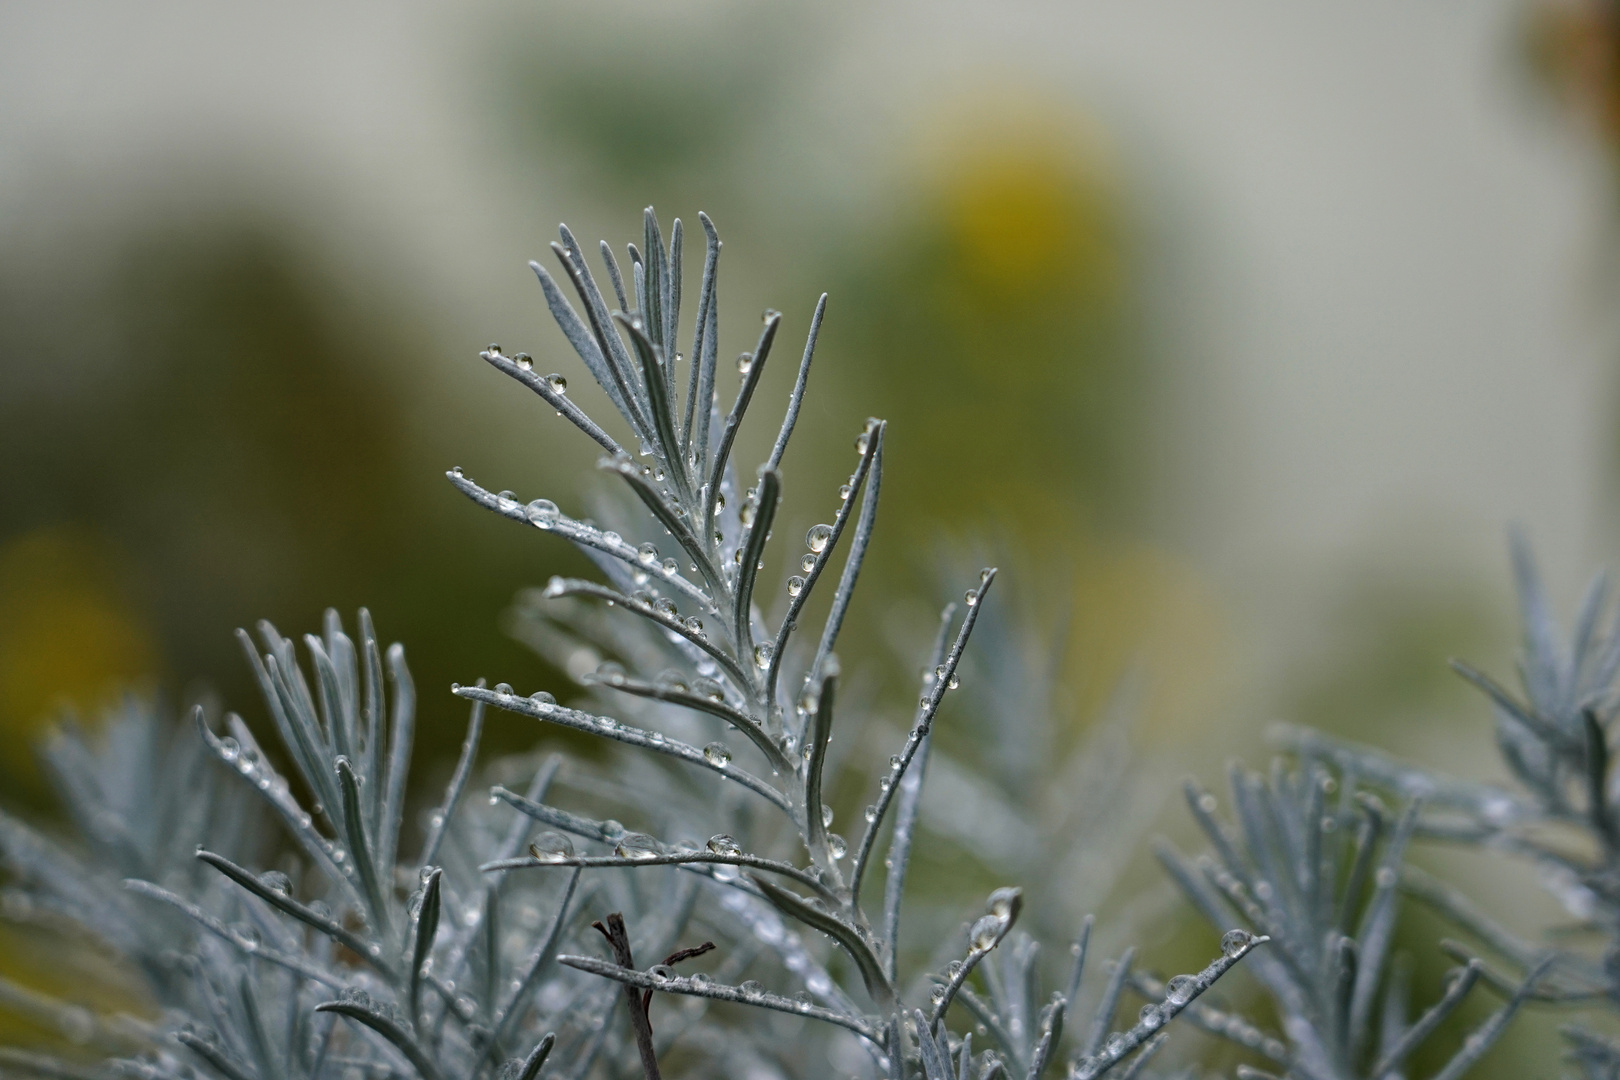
x=68, y=637
x=1026, y=190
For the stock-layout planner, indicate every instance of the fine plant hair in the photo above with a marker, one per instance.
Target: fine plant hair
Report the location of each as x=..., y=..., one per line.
x=775, y=692
x=1556, y=737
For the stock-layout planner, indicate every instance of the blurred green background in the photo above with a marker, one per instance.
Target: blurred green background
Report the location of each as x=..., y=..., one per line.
x=1238, y=332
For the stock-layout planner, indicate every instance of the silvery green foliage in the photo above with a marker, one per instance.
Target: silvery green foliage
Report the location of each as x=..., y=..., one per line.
x=703, y=652
x=1315, y=864
x=1556, y=738
x=1017, y=789
x=141, y=803
x=346, y=961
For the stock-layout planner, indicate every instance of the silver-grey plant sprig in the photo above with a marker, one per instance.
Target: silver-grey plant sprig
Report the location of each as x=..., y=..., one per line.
x=356, y=946
x=1556, y=736
x=701, y=599
x=1315, y=864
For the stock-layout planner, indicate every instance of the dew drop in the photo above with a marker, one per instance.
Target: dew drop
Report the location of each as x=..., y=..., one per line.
x=1179, y=990
x=795, y=585
x=816, y=539
x=708, y=688
x=665, y=607
x=751, y=988
x=541, y=512
x=808, y=563
x=862, y=441
x=745, y=363
x=612, y=539
x=762, y=655
x=870, y=814
x=552, y=847
x=610, y=672
x=1207, y=803
x=494, y=347
x=541, y=697
x=826, y=816
x=558, y=384
x=647, y=554
x=503, y=688
x=723, y=844
x=971, y=597
x=277, y=882
x=985, y=933
x=1150, y=1017
x=1004, y=902
x=670, y=566
x=1233, y=942
x=836, y=847
x=1116, y=1044
x=525, y=362
x=844, y=492
x=636, y=846
x=717, y=754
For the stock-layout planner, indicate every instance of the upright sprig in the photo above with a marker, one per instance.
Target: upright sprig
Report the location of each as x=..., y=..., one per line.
x=349, y=740
x=1314, y=864
x=778, y=692
x=1556, y=736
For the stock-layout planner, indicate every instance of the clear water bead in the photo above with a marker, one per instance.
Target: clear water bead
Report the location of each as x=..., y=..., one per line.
x=637, y=846
x=808, y=563
x=826, y=816
x=1179, y=990
x=816, y=539
x=541, y=697
x=870, y=814
x=558, y=384
x=763, y=652
x=1233, y=942
x=751, y=988
x=647, y=554
x=611, y=673
x=836, y=847
x=985, y=933
x=503, y=688
x=612, y=539
x=844, y=492
x=525, y=362
x=717, y=754
x=1150, y=1017
x=552, y=847
x=541, y=511
x=665, y=607
x=276, y=882
x=708, y=688
x=795, y=585
x=1003, y=903
x=971, y=597
x=723, y=844
x=745, y=363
